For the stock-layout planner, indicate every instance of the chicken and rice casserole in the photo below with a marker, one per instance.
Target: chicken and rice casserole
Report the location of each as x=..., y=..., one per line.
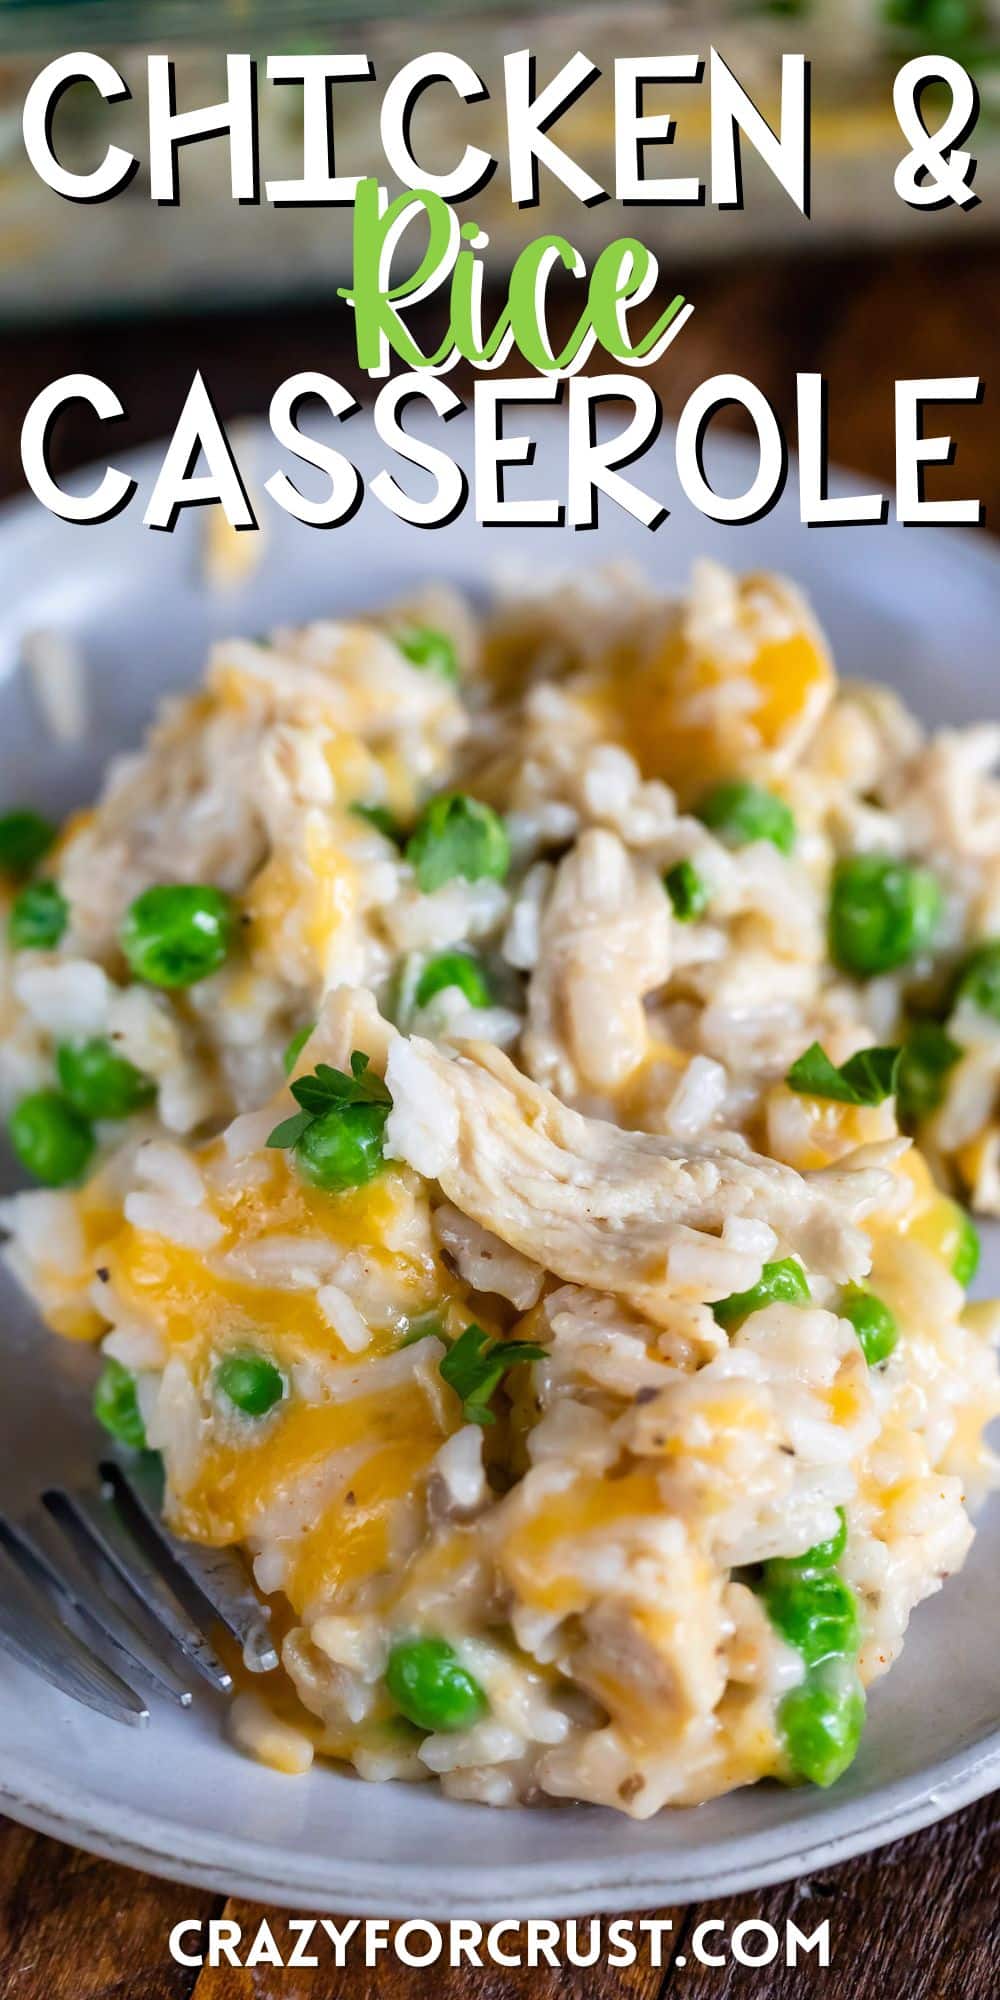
x=506, y=1093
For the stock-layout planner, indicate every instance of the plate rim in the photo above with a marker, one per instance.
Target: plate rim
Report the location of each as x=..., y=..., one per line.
x=641, y=1883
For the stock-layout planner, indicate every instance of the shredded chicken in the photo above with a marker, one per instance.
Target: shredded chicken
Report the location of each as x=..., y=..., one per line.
x=230, y=774
x=486, y=1263
x=597, y=1205
x=605, y=944
x=946, y=797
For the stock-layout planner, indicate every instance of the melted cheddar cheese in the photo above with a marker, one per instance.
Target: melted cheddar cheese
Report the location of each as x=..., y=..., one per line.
x=694, y=716
x=544, y=1551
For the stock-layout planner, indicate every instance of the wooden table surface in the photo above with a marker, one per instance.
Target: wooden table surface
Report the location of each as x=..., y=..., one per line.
x=919, y=1919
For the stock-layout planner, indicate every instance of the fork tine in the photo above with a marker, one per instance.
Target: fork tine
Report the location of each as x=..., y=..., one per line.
x=23, y=1547
x=217, y=1575
x=91, y=1525
x=30, y=1636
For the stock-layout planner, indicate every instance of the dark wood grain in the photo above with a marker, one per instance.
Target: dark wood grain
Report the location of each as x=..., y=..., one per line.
x=73, y=1928
x=916, y=1921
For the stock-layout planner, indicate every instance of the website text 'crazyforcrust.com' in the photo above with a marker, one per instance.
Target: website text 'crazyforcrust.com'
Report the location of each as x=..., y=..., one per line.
x=307, y=1942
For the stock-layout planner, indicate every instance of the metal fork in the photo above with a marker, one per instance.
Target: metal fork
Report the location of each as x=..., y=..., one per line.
x=92, y=1585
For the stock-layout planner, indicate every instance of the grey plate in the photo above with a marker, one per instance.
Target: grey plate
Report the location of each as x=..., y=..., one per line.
x=918, y=608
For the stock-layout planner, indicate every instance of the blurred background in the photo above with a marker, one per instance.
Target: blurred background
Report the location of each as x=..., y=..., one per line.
x=865, y=291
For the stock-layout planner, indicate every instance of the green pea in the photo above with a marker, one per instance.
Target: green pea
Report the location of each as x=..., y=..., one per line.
x=883, y=913
x=429, y=1684
x=784, y=1281
x=457, y=835
x=928, y=1054
x=24, y=837
x=876, y=1327
x=821, y=1722
x=739, y=812
x=177, y=933
x=343, y=1147
x=50, y=1138
x=424, y=647
x=687, y=891
x=38, y=917
x=979, y=979
x=453, y=968
x=116, y=1405
x=252, y=1383
x=968, y=1249
x=99, y=1082
x=815, y=1611
x=822, y=1555
x=294, y=1048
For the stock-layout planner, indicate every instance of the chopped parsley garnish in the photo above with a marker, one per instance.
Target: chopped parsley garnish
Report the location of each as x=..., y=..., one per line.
x=453, y=969
x=379, y=817
x=295, y=1045
x=328, y=1089
x=425, y=647
x=457, y=835
x=865, y=1078
x=476, y=1364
